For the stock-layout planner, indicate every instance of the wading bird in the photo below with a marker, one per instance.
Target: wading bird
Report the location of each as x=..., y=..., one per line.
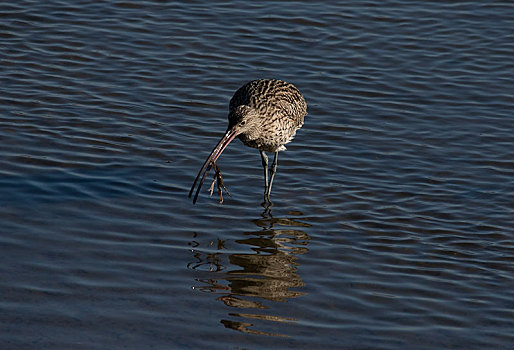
x=264, y=114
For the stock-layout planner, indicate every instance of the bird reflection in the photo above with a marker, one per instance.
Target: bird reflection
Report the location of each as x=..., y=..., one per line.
x=257, y=279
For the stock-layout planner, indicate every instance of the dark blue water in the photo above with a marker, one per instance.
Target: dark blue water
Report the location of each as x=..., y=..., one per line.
x=392, y=223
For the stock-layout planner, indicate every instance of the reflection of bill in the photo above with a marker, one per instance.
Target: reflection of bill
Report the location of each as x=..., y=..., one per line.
x=252, y=280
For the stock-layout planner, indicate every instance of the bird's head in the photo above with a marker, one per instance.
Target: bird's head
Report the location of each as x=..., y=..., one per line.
x=244, y=121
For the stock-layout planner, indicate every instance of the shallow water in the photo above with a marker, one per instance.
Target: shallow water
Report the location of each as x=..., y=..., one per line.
x=392, y=218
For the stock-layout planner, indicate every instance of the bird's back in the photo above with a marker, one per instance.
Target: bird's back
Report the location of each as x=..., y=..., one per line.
x=281, y=107
x=268, y=95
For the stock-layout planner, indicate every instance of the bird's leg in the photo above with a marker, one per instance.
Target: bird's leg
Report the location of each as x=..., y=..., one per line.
x=273, y=170
x=264, y=158
x=219, y=180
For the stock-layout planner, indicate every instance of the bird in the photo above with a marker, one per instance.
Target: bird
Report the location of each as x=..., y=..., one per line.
x=264, y=114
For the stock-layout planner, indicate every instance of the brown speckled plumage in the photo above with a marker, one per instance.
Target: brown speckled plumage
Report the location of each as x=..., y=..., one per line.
x=264, y=114
x=281, y=111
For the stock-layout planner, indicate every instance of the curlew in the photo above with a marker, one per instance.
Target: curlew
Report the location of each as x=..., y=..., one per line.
x=264, y=114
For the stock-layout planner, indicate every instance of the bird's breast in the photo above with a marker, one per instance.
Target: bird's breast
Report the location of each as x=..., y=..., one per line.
x=271, y=137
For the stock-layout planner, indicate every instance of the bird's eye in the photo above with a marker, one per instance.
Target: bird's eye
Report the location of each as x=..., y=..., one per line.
x=242, y=123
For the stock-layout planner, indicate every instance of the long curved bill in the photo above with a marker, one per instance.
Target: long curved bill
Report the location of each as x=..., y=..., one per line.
x=211, y=159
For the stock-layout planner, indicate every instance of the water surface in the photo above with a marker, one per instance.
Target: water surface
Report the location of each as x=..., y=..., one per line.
x=392, y=218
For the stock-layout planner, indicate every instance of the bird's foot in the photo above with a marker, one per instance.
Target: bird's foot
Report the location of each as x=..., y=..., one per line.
x=218, y=179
